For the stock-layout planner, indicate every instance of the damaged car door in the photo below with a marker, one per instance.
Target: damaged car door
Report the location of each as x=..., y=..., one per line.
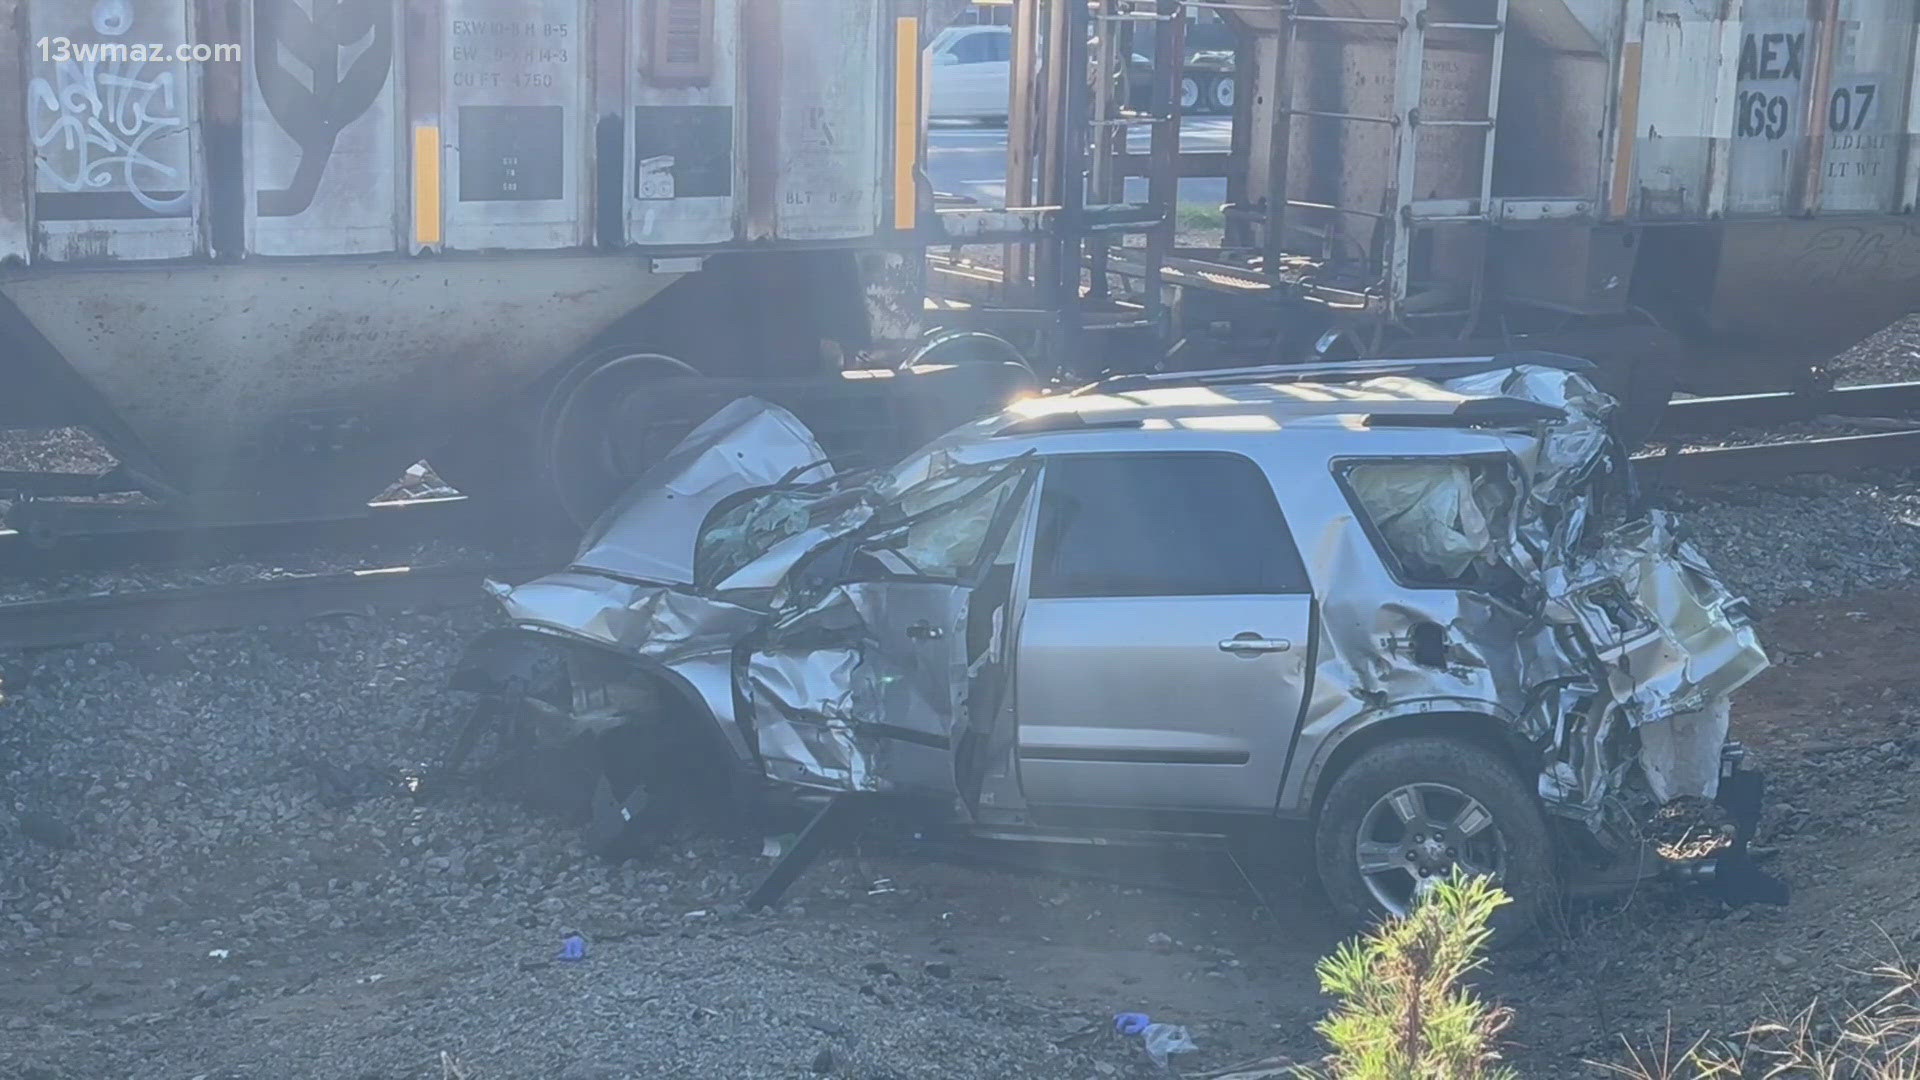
x=882, y=670
x=1166, y=640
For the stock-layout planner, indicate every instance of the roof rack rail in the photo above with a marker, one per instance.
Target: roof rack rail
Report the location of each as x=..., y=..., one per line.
x=1443, y=367
x=1499, y=412
x=1059, y=421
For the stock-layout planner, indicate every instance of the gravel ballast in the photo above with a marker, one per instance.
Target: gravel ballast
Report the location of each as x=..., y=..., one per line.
x=1891, y=355
x=184, y=899
x=211, y=866
x=1807, y=537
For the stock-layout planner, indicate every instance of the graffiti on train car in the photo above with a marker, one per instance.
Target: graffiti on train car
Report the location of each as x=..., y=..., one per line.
x=1840, y=253
x=312, y=104
x=103, y=132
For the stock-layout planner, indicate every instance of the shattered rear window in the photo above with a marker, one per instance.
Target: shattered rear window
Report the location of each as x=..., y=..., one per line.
x=1442, y=520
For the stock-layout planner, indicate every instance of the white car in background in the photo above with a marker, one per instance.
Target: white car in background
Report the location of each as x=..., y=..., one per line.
x=971, y=74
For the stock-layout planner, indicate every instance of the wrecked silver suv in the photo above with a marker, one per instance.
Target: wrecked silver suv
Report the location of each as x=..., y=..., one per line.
x=1416, y=604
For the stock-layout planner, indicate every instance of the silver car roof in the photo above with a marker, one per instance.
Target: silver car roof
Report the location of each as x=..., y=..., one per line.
x=1386, y=416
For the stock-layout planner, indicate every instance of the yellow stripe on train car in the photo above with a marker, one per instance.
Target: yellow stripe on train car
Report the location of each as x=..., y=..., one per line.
x=426, y=185
x=906, y=120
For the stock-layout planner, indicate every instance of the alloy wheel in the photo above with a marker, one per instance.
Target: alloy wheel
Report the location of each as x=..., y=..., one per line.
x=1414, y=836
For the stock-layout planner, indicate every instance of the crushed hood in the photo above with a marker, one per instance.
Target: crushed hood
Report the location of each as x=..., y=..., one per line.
x=632, y=584
x=649, y=534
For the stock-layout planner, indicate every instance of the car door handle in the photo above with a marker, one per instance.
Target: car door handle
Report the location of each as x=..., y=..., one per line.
x=1253, y=645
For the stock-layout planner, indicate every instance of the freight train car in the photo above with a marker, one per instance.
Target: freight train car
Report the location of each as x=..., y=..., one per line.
x=1741, y=173
x=1708, y=192
x=329, y=237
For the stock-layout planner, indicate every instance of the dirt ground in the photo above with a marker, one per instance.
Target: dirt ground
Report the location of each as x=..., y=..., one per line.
x=370, y=940
x=1836, y=726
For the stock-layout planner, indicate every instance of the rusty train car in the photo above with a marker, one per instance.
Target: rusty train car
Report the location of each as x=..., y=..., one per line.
x=333, y=236
x=1725, y=187
x=488, y=232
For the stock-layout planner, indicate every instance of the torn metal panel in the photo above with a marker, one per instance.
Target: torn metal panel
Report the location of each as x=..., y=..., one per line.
x=1566, y=448
x=867, y=687
x=1606, y=650
x=650, y=533
x=859, y=692
x=1561, y=462
x=656, y=622
x=630, y=590
x=860, y=659
x=1681, y=753
x=1671, y=636
x=1588, y=762
x=803, y=704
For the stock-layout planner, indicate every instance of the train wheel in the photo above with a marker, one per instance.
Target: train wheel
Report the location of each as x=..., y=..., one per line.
x=606, y=421
x=948, y=346
x=1220, y=95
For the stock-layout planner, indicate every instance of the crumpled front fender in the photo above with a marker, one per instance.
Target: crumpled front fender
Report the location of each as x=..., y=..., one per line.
x=520, y=663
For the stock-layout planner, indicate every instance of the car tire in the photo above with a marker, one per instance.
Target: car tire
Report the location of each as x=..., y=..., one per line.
x=1191, y=97
x=1526, y=867
x=1220, y=94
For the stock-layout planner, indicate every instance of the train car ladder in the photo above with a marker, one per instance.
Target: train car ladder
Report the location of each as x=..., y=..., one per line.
x=1408, y=216
x=1112, y=122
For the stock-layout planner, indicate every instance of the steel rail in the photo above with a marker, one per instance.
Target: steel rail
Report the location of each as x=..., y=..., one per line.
x=60, y=621
x=1765, y=461
x=278, y=601
x=1712, y=415
x=454, y=519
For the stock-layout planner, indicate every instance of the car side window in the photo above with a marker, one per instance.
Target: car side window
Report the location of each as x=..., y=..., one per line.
x=1165, y=524
x=1442, y=521
x=974, y=49
x=999, y=47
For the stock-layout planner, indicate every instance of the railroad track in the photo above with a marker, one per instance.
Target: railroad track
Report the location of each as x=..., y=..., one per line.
x=1717, y=415
x=392, y=524
x=49, y=623
x=294, y=598
x=65, y=621
x=1672, y=464
x=1760, y=462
